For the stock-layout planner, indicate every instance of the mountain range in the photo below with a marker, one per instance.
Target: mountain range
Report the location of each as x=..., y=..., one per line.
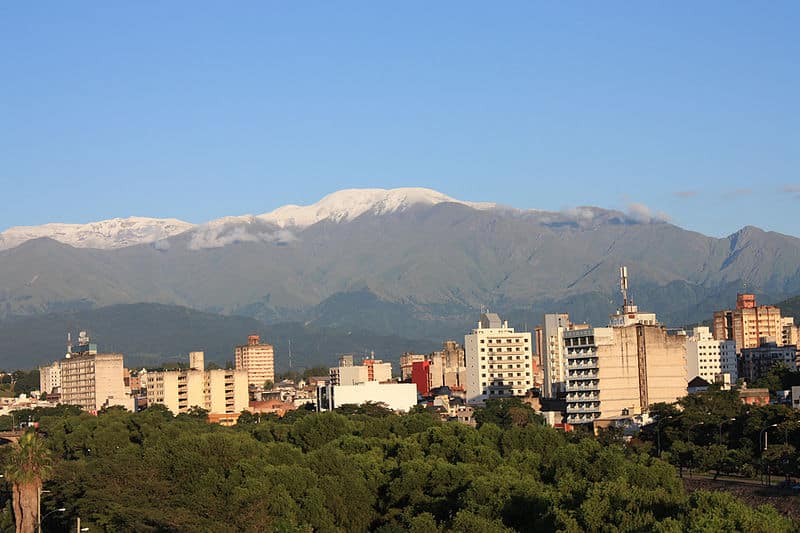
x=409, y=263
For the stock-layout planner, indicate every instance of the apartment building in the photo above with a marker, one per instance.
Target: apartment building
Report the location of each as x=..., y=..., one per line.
x=93, y=381
x=622, y=370
x=50, y=377
x=407, y=361
x=499, y=360
x=258, y=360
x=748, y=323
x=223, y=393
x=370, y=369
x=552, y=353
x=757, y=362
x=707, y=357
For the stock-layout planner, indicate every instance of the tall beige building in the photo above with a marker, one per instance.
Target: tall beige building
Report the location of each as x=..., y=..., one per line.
x=93, y=381
x=623, y=370
x=258, y=360
x=220, y=392
x=748, y=323
x=499, y=360
x=50, y=377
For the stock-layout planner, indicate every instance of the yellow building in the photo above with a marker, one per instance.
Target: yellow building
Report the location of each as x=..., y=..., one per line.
x=258, y=360
x=220, y=392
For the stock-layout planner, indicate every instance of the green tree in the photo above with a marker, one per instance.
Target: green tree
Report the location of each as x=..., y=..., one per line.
x=28, y=466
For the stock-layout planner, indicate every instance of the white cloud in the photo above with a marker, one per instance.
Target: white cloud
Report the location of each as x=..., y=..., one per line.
x=217, y=236
x=641, y=213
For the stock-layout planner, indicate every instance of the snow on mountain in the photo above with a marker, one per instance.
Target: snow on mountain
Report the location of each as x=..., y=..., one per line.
x=351, y=203
x=106, y=234
x=274, y=227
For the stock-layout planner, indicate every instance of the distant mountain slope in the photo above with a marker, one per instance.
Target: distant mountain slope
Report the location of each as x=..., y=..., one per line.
x=790, y=307
x=108, y=234
x=149, y=334
x=409, y=263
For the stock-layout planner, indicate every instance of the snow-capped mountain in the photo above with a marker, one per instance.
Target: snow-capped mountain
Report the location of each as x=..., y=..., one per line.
x=341, y=206
x=348, y=204
x=105, y=234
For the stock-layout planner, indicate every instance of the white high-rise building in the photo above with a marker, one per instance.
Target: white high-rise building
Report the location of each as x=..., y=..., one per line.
x=708, y=357
x=499, y=360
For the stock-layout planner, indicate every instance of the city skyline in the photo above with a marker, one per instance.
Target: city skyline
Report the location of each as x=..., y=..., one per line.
x=198, y=112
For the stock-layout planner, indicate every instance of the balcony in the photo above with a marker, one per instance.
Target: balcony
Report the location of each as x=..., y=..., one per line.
x=574, y=408
x=583, y=396
x=588, y=384
x=582, y=363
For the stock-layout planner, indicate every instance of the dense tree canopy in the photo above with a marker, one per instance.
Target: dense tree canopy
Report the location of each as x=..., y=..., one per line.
x=365, y=470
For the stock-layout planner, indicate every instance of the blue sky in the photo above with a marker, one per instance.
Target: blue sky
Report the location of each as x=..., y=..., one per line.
x=198, y=110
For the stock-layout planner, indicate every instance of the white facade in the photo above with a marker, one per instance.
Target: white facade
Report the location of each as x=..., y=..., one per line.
x=796, y=397
x=499, y=360
x=50, y=377
x=94, y=381
x=396, y=396
x=707, y=357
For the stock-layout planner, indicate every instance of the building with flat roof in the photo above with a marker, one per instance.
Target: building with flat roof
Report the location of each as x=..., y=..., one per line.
x=50, y=377
x=748, y=323
x=93, y=381
x=370, y=369
x=707, y=357
x=396, y=396
x=258, y=360
x=621, y=371
x=757, y=362
x=223, y=393
x=499, y=360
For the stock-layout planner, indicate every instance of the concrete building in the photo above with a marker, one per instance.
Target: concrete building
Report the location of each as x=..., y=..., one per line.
x=453, y=363
x=499, y=360
x=790, y=334
x=370, y=370
x=223, y=393
x=621, y=371
x=552, y=353
x=396, y=396
x=258, y=360
x=707, y=357
x=796, y=397
x=50, y=377
x=757, y=362
x=93, y=381
x=407, y=361
x=748, y=323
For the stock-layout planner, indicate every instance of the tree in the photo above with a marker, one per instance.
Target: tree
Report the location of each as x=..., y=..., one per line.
x=28, y=466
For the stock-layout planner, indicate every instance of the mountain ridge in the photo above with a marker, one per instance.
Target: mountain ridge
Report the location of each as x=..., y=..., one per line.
x=279, y=224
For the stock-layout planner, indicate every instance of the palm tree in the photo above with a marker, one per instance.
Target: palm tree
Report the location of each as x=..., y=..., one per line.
x=28, y=466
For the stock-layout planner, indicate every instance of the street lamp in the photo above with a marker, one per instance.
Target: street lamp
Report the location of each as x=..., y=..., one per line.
x=59, y=510
x=720, y=428
x=763, y=433
x=658, y=432
x=766, y=435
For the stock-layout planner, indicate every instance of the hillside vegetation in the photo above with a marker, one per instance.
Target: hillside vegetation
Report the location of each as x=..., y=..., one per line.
x=365, y=470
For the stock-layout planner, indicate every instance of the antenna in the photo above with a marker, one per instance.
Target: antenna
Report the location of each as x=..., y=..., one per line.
x=290, y=353
x=623, y=285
